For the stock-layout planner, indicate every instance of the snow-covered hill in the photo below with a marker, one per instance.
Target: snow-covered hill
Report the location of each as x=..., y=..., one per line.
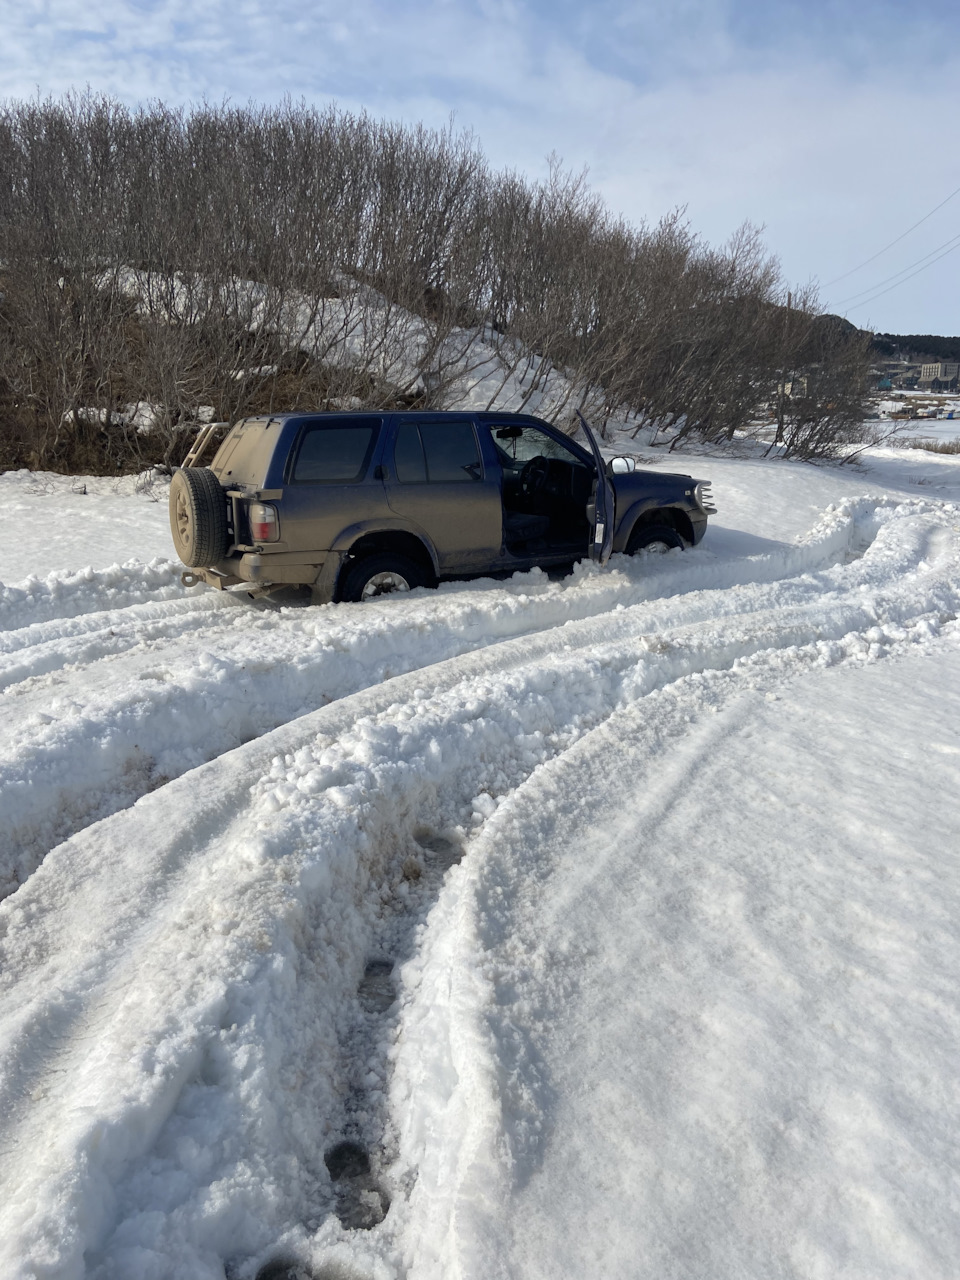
x=525, y=929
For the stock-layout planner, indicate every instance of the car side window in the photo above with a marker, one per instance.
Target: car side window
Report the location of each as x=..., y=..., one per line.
x=408, y=456
x=523, y=443
x=336, y=454
x=437, y=452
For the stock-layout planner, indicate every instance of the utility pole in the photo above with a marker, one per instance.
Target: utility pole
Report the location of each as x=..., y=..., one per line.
x=782, y=389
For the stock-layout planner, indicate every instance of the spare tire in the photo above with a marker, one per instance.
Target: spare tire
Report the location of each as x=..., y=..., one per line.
x=198, y=517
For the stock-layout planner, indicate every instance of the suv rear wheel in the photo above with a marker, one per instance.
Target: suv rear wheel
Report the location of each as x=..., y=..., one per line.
x=198, y=517
x=380, y=574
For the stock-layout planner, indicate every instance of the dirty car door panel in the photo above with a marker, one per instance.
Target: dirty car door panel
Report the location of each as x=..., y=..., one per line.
x=330, y=483
x=437, y=484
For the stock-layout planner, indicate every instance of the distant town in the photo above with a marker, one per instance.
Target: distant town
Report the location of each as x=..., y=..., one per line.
x=914, y=362
x=915, y=376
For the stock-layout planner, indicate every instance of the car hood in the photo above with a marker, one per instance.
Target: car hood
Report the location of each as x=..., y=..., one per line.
x=645, y=481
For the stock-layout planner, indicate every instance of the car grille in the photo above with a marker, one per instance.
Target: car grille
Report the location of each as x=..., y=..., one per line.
x=705, y=497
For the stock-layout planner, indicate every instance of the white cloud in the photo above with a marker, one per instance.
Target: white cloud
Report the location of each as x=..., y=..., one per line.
x=737, y=113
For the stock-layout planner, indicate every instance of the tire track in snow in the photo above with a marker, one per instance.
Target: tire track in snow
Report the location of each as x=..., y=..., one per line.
x=74, y=602
x=473, y=1078
x=200, y=950
x=69, y=594
x=151, y=690
x=33, y=652
x=467, y=1080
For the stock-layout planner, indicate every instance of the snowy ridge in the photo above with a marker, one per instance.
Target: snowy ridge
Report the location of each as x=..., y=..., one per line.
x=70, y=595
x=155, y=710
x=178, y=980
x=466, y=368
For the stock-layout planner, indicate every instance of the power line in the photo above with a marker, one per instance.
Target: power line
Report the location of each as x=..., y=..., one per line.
x=879, y=252
x=902, y=272
x=867, y=301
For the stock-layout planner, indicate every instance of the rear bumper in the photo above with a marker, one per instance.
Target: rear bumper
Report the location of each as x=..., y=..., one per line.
x=264, y=571
x=212, y=577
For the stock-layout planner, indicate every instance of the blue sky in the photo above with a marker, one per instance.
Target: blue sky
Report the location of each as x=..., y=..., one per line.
x=831, y=124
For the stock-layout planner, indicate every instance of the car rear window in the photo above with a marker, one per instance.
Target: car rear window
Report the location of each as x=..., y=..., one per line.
x=338, y=453
x=245, y=454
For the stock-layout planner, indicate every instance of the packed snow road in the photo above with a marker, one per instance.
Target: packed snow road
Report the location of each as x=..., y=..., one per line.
x=321, y=976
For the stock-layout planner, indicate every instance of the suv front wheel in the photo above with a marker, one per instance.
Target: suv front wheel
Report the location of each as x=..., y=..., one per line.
x=654, y=539
x=380, y=574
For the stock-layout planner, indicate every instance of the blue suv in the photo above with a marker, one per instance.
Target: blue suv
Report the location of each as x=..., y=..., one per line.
x=356, y=505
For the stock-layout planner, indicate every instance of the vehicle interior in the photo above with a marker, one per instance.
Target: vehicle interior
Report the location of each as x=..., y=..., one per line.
x=546, y=490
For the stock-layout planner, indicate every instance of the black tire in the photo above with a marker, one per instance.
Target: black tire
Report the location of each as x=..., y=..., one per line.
x=654, y=538
x=357, y=579
x=198, y=517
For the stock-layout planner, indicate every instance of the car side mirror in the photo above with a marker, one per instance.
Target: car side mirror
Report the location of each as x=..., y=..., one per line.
x=622, y=466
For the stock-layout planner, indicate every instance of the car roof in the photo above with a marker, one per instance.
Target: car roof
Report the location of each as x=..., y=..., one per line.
x=452, y=414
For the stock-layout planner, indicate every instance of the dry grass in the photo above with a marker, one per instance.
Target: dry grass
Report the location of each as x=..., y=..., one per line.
x=931, y=446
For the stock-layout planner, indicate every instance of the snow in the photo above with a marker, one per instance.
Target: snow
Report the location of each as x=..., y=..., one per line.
x=613, y=917
x=741, y=1062
x=467, y=368
x=944, y=430
x=86, y=520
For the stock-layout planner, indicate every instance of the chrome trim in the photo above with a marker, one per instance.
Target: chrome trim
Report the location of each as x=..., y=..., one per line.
x=703, y=494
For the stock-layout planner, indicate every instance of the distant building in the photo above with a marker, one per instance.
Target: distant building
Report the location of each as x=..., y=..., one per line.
x=896, y=374
x=939, y=376
x=794, y=389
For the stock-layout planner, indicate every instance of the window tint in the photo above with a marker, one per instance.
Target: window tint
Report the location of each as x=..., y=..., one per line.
x=451, y=452
x=438, y=452
x=336, y=454
x=408, y=455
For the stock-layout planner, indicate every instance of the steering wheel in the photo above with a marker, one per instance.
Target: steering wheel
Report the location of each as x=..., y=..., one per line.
x=534, y=475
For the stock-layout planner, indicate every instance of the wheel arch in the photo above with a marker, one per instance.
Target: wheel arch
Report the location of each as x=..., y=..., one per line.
x=400, y=541
x=675, y=517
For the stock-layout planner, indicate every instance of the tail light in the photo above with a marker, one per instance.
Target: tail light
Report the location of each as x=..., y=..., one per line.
x=264, y=525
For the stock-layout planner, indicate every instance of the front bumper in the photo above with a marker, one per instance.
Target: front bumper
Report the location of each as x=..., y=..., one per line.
x=698, y=519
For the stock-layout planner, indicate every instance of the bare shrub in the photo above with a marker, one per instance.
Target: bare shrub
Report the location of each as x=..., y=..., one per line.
x=827, y=361
x=928, y=445
x=159, y=267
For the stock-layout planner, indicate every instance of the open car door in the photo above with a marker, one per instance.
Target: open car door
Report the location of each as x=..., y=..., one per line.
x=601, y=543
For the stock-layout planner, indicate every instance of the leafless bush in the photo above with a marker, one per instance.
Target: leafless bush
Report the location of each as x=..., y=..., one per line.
x=824, y=362
x=160, y=267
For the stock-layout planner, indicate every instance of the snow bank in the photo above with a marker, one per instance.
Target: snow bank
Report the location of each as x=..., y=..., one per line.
x=67, y=594
x=179, y=980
